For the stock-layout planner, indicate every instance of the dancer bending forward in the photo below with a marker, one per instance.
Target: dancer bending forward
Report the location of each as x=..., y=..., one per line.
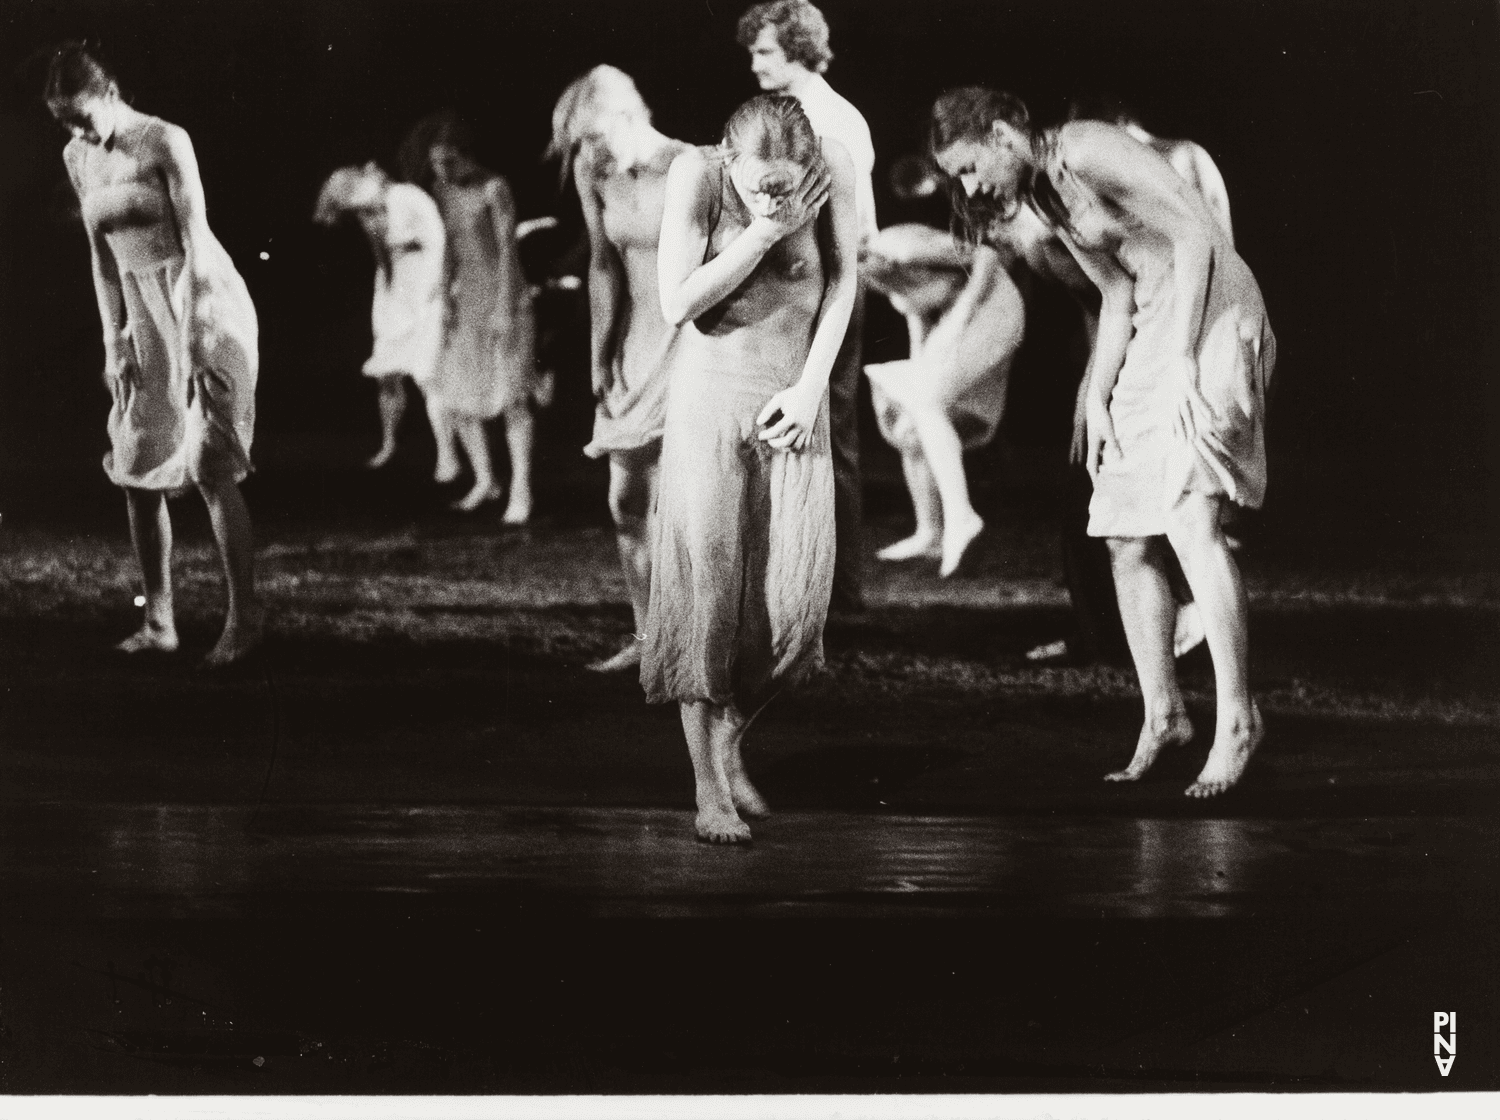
x=760, y=274
x=488, y=364
x=179, y=341
x=405, y=232
x=601, y=131
x=965, y=319
x=1176, y=398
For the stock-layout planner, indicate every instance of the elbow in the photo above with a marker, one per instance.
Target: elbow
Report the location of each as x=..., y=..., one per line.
x=675, y=311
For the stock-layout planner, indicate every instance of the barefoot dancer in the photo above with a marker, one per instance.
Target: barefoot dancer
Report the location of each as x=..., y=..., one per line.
x=760, y=275
x=179, y=341
x=405, y=232
x=965, y=320
x=1176, y=394
x=601, y=131
x=488, y=364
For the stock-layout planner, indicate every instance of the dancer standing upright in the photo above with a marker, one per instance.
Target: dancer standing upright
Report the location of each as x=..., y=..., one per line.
x=1176, y=392
x=488, y=364
x=602, y=133
x=180, y=341
x=759, y=273
x=405, y=232
x=789, y=51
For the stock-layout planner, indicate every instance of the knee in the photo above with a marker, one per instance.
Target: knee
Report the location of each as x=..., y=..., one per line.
x=1129, y=553
x=629, y=503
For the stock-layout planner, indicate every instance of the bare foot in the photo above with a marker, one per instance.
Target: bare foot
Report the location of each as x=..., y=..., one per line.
x=1052, y=651
x=628, y=657
x=151, y=637
x=517, y=510
x=544, y=389
x=381, y=457
x=919, y=544
x=1228, y=757
x=1174, y=731
x=447, y=471
x=747, y=798
x=721, y=826
x=241, y=637
x=957, y=537
x=476, y=498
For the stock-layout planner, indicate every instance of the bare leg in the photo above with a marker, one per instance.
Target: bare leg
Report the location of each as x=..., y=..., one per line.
x=245, y=618
x=151, y=533
x=1149, y=613
x=519, y=431
x=1208, y=563
x=442, y=433
x=632, y=494
x=945, y=459
x=717, y=822
x=926, y=503
x=746, y=797
x=392, y=401
x=476, y=445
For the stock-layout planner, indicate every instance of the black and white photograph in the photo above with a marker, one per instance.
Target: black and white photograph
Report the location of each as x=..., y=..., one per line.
x=689, y=557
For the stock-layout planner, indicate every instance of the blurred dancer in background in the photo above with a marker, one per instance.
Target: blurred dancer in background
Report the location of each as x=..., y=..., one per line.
x=602, y=134
x=789, y=51
x=488, y=365
x=758, y=255
x=180, y=341
x=405, y=232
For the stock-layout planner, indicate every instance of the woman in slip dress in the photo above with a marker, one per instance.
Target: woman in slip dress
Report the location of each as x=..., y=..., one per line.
x=602, y=133
x=406, y=236
x=965, y=320
x=759, y=246
x=1176, y=391
x=180, y=341
x=488, y=365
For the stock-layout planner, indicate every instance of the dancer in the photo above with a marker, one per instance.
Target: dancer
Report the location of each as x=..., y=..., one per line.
x=180, y=340
x=488, y=363
x=601, y=131
x=759, y=274
x=1176, y=395
x=965, y=319
x=788, y=45
x=405, y=232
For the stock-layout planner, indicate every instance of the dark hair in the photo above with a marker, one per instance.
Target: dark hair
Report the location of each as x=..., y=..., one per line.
x=970, y=113
x=772, y=126
x=442, y=127
x=1102, y=107
x=73, y=71
x=801, y=31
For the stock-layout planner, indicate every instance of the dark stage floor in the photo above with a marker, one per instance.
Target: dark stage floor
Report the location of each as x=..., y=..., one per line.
x=414, y=847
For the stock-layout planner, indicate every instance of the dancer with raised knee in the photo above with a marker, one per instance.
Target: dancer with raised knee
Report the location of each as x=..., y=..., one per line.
x=180, y=341
x=1176, y=394
x=602, y=134
x=757, y=267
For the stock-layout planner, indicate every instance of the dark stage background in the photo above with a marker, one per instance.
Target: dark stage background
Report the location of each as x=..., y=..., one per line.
x=1358, y=139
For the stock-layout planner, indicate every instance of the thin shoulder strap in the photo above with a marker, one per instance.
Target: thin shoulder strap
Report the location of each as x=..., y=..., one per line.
x=718, y=207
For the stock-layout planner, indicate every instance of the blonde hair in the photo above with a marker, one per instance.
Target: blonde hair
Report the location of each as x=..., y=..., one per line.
x=350, y=188
x=580, y=105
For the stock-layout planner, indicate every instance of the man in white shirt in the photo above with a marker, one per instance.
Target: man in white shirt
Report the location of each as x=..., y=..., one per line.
x=788, y=45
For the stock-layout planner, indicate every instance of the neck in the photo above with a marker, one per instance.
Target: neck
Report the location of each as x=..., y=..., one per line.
x=801, y=78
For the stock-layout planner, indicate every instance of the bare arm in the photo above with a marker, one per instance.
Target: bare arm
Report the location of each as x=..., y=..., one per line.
x=512, y=285
x=606, y=282
x=180, y=168
x=1211, y=187
x=1151, y=194
x=688, y=286
x=107, y=290
x=1111, y=334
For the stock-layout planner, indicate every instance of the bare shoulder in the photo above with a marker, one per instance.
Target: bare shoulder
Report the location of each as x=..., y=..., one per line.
x=836, y=155
x=497, y=192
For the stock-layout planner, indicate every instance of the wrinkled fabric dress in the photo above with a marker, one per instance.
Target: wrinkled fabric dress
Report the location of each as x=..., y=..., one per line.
x=633, y=410
x=488, y=362
x=191, y=415
x=973, y=389
x=1135, y=489
x=406, y=316
x=742, y=562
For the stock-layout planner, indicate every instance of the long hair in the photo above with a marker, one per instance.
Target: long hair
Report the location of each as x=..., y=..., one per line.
x=969, y=113
x=443, y=127
x=578, y=107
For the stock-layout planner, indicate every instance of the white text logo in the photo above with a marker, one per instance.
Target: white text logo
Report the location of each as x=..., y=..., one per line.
x=1440, y=1045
